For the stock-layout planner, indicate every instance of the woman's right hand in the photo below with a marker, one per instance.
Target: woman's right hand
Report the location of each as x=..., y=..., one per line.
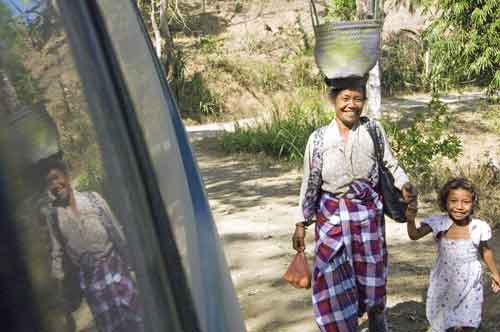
x=298, y=238
x=495, y=283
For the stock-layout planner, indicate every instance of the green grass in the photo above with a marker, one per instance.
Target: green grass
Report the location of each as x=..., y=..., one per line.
x=285, y=135
x=492, y=118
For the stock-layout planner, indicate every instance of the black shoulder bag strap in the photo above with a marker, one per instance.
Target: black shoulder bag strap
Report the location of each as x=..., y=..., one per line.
x=376, y=135
x=394, y=205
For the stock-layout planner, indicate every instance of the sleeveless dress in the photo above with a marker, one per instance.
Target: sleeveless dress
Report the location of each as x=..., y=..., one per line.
x=455, y=294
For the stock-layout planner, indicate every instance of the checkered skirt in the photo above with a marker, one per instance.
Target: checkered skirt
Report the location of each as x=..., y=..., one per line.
x=111, y=294
x=350, y=269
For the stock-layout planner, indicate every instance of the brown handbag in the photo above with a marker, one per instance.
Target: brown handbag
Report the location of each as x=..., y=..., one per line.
x=298, y=273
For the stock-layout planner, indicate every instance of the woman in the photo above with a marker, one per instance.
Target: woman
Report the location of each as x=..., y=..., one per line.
x=339, y=190
x=83, y=227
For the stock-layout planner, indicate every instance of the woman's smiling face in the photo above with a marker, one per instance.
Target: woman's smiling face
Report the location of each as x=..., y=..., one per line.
x=348, y=106
x=59, y=186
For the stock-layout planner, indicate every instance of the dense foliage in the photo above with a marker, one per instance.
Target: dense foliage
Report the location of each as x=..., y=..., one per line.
x=464, y=39
x=13, y=39
x=403, y=64
x=425, y=138
x=344, y=10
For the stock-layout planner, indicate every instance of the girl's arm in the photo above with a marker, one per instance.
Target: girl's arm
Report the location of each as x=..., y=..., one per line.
x=489, y=259
x=413, y=232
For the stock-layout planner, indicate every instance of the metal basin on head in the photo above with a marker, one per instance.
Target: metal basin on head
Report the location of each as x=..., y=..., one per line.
x=346, y=49
x=32, y=136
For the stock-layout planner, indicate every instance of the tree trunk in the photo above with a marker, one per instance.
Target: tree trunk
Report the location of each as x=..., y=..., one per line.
x=365, y=9
x=157, y=40
x=166, y=36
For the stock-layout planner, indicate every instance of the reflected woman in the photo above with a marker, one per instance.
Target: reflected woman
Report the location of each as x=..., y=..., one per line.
x=83, y=227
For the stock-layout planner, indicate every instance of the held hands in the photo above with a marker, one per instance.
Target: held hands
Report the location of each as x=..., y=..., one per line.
x=298, y=241
x=410, y=195
x=409, y=192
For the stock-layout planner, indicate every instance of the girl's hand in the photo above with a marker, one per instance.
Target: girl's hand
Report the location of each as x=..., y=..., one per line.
x=495, y=283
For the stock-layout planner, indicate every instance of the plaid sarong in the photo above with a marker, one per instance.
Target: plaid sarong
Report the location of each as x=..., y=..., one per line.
x=350, y=269
x=111, y=294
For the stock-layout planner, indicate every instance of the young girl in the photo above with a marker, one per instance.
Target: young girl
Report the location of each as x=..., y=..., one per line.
x=455, y=294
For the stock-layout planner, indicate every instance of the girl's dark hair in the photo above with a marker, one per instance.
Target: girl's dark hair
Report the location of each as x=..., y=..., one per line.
x=456, y=183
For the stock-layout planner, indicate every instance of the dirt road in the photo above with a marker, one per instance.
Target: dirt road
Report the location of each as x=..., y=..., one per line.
x=254, y=200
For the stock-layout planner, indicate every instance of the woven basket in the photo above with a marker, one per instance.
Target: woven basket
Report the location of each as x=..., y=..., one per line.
x=346, y=48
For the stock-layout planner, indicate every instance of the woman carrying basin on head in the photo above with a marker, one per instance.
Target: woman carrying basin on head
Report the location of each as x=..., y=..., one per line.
x=340, y=194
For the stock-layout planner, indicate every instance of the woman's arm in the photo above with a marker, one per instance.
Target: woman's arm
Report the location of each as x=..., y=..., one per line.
x=305, y=176
x=415, y=232
x=489, y=259
x=298, y=238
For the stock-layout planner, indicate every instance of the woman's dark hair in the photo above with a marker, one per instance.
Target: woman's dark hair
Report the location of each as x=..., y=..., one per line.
x=336, y=85
x=335, y=91
x=53, y=163
x=456, y=183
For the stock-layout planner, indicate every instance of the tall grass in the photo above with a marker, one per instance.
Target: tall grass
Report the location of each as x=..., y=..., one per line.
x=285, y=135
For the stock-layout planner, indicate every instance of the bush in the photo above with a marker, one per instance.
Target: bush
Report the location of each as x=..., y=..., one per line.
x=344, y=10
x=464, y=40
x=402, y=62
x=424, y=140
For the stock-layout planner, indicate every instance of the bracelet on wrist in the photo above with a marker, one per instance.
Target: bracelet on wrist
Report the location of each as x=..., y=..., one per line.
x=301, y=224
x=305, y=223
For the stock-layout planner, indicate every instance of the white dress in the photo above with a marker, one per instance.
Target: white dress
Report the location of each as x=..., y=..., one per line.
x=455, y=294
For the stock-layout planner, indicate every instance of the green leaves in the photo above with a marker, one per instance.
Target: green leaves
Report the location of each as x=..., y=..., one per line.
x=464, y=39
x=344, y=10
x=424, y=140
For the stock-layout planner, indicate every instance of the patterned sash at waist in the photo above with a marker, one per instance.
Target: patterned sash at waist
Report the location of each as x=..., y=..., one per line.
x=361, y=205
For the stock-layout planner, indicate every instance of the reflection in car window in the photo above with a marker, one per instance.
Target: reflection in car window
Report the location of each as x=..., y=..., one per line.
x=178, y=181
x=94, y=262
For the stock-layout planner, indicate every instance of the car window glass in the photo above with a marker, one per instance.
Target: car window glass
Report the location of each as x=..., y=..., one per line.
x=178, y=179
x=81, y=213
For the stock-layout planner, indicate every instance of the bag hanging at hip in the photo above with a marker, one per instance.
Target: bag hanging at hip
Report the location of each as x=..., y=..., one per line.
x=298, y=273
x=394, y=204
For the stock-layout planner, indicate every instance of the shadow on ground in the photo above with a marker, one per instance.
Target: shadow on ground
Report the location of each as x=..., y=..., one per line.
x=241, y=183
x=258, y=249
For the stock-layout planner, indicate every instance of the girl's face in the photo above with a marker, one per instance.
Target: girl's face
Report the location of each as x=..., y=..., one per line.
x=459, y=204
